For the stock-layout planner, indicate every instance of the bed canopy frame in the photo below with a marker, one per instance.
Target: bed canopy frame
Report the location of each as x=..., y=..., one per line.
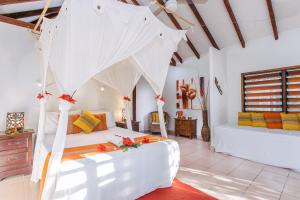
x=112, y=42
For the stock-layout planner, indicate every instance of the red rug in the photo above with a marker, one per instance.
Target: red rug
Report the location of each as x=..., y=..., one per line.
x=178, y=191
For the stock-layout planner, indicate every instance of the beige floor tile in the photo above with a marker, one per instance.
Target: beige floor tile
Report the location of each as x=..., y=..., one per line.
x=277, y=170
x=244, y=174
x=260, y=192
x=271, y=180
x=295, y=174
x=292, y=187
x=288, y=197
x=12, y=190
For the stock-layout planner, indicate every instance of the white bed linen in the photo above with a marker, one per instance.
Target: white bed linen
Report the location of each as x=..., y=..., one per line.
x=115, y=175
x=269, y=146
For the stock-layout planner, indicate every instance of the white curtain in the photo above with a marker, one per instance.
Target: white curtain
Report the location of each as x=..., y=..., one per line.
x=162, y=124
x=57, y=149
x=127, y=114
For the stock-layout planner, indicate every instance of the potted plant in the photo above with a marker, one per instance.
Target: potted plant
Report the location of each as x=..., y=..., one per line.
x=205, y=131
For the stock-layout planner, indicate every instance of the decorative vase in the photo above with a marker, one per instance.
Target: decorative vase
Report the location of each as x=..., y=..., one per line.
x=205, y=131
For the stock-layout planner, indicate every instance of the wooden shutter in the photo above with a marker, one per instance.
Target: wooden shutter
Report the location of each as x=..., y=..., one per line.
x=293, y=89
x=263, y=91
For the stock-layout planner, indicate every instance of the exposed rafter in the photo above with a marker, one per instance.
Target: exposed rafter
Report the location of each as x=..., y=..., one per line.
x=4, y=2
x=272, y=18
x=202, y=23
x=32, y=13
x=177, y=25
x=16, y=22
x=178, y=57
x=173, y=62
x=234, y=22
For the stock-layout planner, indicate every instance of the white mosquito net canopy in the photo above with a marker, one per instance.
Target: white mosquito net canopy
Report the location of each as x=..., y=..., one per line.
x=110, y=41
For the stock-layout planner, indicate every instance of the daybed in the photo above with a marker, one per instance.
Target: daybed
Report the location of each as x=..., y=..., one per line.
x=269, y=146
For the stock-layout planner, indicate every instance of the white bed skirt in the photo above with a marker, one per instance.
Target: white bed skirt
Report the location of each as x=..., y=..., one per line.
x=269, y=146
x=117, y=175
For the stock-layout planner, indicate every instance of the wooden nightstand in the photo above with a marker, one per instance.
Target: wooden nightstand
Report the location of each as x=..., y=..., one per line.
x=186, y=127
x=15, y=154
x=135, y=125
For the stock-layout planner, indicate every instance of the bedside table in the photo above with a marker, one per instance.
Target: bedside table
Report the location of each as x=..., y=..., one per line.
x=15, y=154
x=135, y=125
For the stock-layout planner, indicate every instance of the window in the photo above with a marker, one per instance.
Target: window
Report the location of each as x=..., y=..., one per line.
x=275, y=90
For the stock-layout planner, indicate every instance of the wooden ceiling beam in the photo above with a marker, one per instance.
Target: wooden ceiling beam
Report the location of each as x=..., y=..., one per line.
x=272, y=18
x=31, y=13
x=6, y=2
x=178, y=57
x=16, y=22
x=173, y=62
x=178, y=26
x=234, y=22
x=202, y=23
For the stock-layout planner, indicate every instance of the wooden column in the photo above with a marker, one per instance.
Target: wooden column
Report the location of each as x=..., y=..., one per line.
x=134, y=104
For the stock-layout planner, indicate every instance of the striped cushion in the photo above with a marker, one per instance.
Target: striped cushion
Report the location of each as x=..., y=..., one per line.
x=244, y=119
x=155, y=117
x=102, y=125
x=290, y=121
x=71, y=128
x=258, y=120
x=87, y=122
x=273, y=120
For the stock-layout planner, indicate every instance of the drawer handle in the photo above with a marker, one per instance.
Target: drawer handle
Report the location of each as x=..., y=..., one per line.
x=13, y=158
x=14, y=143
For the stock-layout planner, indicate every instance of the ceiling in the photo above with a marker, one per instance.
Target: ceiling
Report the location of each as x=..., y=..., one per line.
x=252, y=18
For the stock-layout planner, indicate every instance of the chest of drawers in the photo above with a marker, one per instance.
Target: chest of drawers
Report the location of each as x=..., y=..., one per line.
x=15, y=154
x=186, y=127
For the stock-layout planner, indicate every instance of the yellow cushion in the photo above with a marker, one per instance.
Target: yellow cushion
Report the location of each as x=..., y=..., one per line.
x=87, y=122
x=245, y=119
x=155, y=117
x=258, y=120
x=290, y=121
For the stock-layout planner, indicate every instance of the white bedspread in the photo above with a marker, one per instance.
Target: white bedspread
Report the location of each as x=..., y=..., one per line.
x=115, y=175
x=269, y=146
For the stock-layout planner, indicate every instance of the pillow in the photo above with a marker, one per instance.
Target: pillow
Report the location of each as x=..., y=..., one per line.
x=87, y=122
x=244, y=119
x=110, y=120
x=273, y=120
x=102, y=125
x=155, y=117
x=72, y=129
x=258, y=120
x=290, y=121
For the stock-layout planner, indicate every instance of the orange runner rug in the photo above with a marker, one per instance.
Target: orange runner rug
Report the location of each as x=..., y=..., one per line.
x=178, y=191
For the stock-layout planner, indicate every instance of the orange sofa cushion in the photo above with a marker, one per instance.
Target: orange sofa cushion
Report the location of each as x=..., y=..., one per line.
x=273, y=120
x=72, y=129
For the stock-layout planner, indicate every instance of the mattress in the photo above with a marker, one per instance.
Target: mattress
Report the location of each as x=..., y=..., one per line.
x=269, y=146
x=118, y=174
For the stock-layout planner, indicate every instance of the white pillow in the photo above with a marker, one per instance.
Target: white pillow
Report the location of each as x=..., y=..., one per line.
x=110, y=120
x=51, y=122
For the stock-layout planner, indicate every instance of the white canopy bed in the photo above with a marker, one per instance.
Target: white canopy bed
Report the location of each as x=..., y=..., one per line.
x=116, y=44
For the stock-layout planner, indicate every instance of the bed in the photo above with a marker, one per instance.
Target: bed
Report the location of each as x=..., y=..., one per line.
x=116, y=174
x=275, y=147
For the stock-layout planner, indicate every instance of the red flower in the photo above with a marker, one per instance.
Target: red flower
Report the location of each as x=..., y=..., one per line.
x=40, y=96
x=125, y=98
x=68, y=98
x=101, y=148
x=145, y=140
x=161, y=98
x=127, y=142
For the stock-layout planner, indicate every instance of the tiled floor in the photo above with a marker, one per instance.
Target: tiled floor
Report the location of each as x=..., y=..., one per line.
x=222, y=176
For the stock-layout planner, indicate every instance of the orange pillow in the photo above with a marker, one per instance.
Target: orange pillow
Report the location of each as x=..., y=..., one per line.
x=273, y=120
x=102, y=125
x=72, y=129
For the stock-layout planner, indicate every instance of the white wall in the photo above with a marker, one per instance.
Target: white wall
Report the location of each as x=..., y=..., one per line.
x=260, y=54
x=20, y=71
x=218, y=102
x=145, y=103
x=190, y=68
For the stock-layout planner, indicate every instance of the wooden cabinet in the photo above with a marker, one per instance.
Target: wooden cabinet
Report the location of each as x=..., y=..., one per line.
x=186, y=127
x=15, y=154
x=135, y=125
